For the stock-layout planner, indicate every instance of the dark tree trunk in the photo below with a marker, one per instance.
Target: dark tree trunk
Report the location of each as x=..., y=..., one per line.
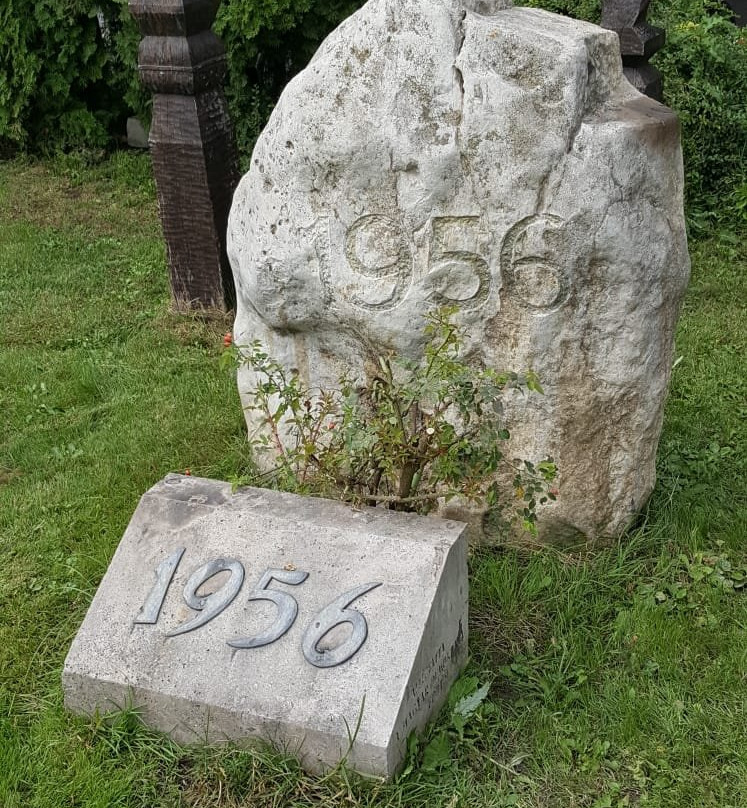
x=639, y=41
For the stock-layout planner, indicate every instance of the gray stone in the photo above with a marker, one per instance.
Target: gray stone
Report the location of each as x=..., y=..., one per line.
x=498, y=161
x=739, y=9
x=137, y=137
x=197, y=687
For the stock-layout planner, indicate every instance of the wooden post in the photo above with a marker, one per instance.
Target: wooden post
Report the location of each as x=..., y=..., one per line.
x=639, y=41
x=192, y=145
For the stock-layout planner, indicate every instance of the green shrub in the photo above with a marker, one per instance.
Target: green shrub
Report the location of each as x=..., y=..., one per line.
x=410, y=435
x=60, y=80
x=704, y=65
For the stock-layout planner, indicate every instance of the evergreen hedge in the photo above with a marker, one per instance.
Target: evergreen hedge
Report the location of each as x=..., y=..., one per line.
x=63, y=81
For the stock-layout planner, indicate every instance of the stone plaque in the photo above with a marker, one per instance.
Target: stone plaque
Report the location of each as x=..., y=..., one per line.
x=326, y=630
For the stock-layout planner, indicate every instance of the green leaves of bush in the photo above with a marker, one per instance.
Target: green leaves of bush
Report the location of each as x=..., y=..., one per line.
x=704, y=65
x=411, y=434
x=63, y=75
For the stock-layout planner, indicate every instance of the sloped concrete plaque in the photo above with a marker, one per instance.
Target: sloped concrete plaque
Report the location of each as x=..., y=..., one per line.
x=326, y=630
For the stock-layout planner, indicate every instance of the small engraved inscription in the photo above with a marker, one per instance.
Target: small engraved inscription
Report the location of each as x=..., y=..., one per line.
x=529, y=261
x=377, y=248
x=420, y=694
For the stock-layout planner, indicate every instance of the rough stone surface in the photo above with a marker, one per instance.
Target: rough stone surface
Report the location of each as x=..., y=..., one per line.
x=137, y=137
x=498, y=161
x=198, y=688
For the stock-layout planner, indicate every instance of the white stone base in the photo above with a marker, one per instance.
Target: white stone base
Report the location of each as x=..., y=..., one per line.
x=196, y=687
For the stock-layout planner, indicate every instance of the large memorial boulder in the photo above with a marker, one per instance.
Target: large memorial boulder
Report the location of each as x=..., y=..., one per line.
x=494, y=158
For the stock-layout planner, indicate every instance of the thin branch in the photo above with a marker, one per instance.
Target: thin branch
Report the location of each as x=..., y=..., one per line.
x=403, y=500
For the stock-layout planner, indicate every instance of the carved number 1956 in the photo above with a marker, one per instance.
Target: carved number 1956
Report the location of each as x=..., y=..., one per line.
x=211, y=605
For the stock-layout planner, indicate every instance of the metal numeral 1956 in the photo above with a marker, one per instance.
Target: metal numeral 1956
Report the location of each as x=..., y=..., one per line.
x=211, y=605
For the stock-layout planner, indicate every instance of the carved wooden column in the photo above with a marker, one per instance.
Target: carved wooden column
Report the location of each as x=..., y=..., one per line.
x=639, y=41
x=192, y=145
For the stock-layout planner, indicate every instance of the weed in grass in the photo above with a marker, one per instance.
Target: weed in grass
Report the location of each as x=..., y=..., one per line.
x=692, y=582
x=465, y=706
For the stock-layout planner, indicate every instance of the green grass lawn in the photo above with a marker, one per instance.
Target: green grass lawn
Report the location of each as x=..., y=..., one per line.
x=618, y=677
